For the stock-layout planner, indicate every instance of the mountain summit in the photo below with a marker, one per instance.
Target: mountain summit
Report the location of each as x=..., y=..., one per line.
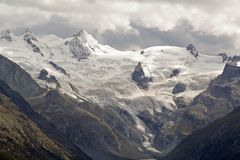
x=82, y=45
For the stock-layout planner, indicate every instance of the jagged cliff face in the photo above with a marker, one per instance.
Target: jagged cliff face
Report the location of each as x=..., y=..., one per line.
x=219, y=107
x=217, y=141
x=221, y=97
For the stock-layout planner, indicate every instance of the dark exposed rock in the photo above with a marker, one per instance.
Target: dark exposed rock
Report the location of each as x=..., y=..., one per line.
x=126, y=116
x=180, y=87
x=57, y=67
x=231, y=70
x=43, y=74
x=219, y=141
x=192, y=50
x=175, y=72
x=142, y=52
x=18, y=79
x=6, y=35
x=53, y=79
x=66, y=43
x=181, y=102
x=139, y=77
x=230, y=58
x=224, y=57
x=49, y=78
x=34, y=47
x=150, y=121
x=29, y=37
x=78, y=49
x=73, y=87
x=235, y=59
x=197, y=115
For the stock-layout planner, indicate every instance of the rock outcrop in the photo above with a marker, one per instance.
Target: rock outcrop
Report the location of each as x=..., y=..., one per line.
x=29, y=37
x=78, y=50
x=82, y=45
x=192, y=50
x=6, y=35
x=231, y=71
x=174, y=73
x=139, y=77
x=224, y=57
x=49, y=78
x=180, y=87
x=58, y=68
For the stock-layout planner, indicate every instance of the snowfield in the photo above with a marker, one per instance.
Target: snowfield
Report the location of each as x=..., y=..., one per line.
x=107, y=72
x=105, y=76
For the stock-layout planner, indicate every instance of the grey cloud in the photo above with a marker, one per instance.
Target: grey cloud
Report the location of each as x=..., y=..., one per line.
x=180, y=36
x=131, y=23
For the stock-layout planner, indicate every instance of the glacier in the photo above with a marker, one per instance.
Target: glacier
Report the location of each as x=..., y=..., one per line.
x=101, y=74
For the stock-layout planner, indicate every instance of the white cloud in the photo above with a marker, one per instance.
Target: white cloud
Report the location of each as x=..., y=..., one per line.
x=215, y=17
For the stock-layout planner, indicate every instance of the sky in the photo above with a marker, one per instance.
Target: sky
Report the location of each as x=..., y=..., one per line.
x=213, y=26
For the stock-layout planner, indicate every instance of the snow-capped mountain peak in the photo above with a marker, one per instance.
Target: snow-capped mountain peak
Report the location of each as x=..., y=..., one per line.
x=7, y=35
x=29, y=36
x=86, y=39
x=82, y=45
x=79, y=49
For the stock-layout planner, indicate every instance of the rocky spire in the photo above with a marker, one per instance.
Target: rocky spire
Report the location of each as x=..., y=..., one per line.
x=139, y=77
x=79, y=49
x=82, y=45
x=193, y=50
x=6, y=35
x=87, y=39
x=29, y=36
x=224, y=57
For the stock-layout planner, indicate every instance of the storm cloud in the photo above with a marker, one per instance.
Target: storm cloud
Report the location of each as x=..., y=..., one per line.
x=213, y=26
